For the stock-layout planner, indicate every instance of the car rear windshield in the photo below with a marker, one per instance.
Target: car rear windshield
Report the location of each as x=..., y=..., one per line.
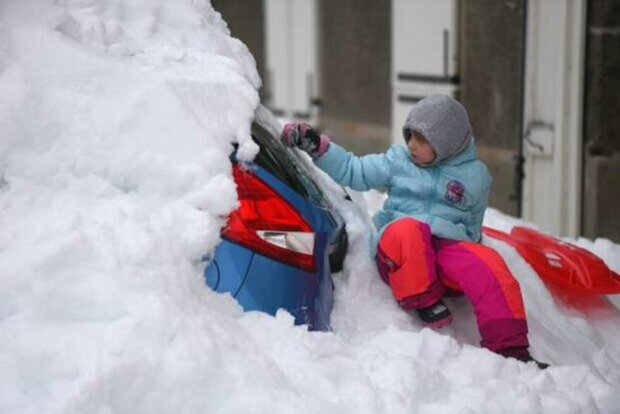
x=275, y=158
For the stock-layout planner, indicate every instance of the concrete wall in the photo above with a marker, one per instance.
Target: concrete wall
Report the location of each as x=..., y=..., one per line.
x=492, y=46
x=601, y=201
x=354, y=54
x=602, y=121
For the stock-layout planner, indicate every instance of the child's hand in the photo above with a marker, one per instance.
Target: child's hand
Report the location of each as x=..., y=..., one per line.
x=302, y=136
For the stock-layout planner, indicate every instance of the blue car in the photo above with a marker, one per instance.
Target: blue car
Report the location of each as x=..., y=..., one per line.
x=282, y=244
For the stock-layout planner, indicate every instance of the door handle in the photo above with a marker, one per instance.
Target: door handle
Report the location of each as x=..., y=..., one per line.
x=533, y=125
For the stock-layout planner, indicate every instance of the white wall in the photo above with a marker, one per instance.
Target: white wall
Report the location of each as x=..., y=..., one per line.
x=553, y=115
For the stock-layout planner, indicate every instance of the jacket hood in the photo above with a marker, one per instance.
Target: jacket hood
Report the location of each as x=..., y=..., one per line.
x=443, y=121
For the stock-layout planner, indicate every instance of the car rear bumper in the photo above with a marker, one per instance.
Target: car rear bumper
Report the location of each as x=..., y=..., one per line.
x=265, y=284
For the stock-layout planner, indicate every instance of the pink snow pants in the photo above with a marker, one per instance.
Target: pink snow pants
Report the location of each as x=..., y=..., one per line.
x=418, y=267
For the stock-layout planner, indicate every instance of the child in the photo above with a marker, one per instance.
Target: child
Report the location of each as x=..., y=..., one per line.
x=429, y=228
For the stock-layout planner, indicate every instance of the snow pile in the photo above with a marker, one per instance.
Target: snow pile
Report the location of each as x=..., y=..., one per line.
x=116, y=120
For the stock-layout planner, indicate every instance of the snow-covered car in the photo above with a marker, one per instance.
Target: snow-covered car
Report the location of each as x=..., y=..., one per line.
x=282, y=244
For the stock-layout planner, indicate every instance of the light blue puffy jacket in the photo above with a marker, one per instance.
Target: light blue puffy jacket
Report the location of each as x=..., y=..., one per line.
x=451, y=197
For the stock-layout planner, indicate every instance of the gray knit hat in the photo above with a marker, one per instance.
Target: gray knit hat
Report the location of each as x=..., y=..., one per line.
x=443, y=121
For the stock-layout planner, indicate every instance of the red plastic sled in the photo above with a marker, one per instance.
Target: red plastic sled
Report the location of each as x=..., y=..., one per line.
x=564, y=267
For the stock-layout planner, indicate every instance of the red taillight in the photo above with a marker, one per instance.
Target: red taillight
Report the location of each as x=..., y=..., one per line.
x=268, y=224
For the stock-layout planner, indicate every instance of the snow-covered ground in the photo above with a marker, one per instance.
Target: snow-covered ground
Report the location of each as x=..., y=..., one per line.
x=116, y=119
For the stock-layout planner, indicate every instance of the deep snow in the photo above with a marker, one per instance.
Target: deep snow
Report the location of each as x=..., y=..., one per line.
x=116, y=119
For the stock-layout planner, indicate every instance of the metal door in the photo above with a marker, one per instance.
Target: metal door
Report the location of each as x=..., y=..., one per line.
x=424, y=54
x=291, y=79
